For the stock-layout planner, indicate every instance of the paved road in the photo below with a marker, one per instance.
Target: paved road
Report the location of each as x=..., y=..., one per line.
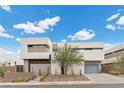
x=66, y=86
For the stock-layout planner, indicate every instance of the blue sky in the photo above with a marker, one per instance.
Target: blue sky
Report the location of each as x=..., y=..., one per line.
x=60, y=24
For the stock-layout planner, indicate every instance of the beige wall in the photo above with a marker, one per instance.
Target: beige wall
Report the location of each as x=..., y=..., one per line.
x=26, y=62
x=42, y=67
x=96, y=54
x=36, y=55
x=55, y=69
x=92, y=55
x=112, y=54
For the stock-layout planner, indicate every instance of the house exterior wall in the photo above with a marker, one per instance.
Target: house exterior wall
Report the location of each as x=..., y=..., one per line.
x=93, y=55
x=35, y=55
x=92, y=51
x=26, y=65
x=112, y=54
x=76, y=69
x=42, y=69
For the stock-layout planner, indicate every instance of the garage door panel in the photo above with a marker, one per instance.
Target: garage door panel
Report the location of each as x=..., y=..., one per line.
x=91, y=68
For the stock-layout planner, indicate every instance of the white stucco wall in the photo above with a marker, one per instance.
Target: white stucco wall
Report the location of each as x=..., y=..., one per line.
x=26, y=65
x=42, y=67
x=55, y=69
x=33, y=41
x=92, y=55
x=89, y=55
x=109, y=60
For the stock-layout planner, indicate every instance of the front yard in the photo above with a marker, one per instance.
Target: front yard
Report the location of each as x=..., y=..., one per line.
x=57, y=78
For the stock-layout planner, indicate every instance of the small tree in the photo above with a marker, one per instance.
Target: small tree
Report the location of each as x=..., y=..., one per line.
x=9, y=64
x=15, y=63
x=66, y=57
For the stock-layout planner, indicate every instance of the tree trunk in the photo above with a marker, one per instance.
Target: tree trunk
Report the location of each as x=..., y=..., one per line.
x=65, y=71
x=62, y=70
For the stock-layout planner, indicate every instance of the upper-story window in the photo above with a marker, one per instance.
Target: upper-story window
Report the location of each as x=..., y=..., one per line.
x=38, y=48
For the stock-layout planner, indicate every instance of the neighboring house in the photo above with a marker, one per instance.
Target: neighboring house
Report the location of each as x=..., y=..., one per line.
x=113, y=53
x=38, y=55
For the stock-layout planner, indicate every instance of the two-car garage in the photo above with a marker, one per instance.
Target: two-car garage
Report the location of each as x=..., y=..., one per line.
x=91, y=67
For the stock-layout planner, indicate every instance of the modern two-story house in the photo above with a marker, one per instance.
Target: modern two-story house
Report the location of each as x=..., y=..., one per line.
x=38, y=55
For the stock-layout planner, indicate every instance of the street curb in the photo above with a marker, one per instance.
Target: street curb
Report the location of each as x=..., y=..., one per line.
x=62, y=83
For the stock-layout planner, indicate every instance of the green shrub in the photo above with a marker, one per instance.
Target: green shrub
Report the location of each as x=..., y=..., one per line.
x=21, y=80
x=40, y=72
x=27, y=79
x=80, y=72
x=2, y=70
x=114, y=72
x=43, y=77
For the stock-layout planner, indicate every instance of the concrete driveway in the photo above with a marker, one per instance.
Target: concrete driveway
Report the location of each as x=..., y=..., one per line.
x=104, y=78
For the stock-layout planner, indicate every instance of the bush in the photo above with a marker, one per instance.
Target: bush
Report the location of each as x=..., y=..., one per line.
x=43, y=77
x=21, y=80
x=27, y=79
x=2, y=70
x=114, y=72
x=40, y=72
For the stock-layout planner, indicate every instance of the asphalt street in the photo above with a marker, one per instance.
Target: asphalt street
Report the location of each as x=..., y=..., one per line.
x=66, y=86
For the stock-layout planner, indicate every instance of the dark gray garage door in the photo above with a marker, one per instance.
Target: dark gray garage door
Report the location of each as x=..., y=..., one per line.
x=91, y=68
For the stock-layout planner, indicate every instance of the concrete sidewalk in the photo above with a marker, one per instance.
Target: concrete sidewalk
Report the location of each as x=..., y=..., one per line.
x=62, y=83
x=50, y=83
x=104, y=78
x=94, y=79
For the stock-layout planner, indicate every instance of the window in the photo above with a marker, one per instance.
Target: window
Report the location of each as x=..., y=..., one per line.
x=38, y=48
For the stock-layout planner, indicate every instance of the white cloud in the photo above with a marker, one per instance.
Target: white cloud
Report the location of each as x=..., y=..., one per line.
x=84, y=34
x=110, y=27
x=18, y=39
x=22, y=33
x=19, y=51
x=8, y=55
x=63, y=40
x=107, y=44
x=113, y=17
x=120, y=21
x=3, y=34
x=40, y=27
x=119, y=10
x=120, y=28
x=6, y=8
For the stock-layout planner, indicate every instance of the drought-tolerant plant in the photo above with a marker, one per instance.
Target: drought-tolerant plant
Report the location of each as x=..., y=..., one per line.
x=113, y=72
x=43, y=77
x=40, y=72
x=27, y=79
x=120, y=61
x=2, y=70
x=19, y=80
x=66, y=57
x=80, y=72
x=48, y=70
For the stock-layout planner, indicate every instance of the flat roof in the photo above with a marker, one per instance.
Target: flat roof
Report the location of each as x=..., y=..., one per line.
x=83, y=44
x=116, y=48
